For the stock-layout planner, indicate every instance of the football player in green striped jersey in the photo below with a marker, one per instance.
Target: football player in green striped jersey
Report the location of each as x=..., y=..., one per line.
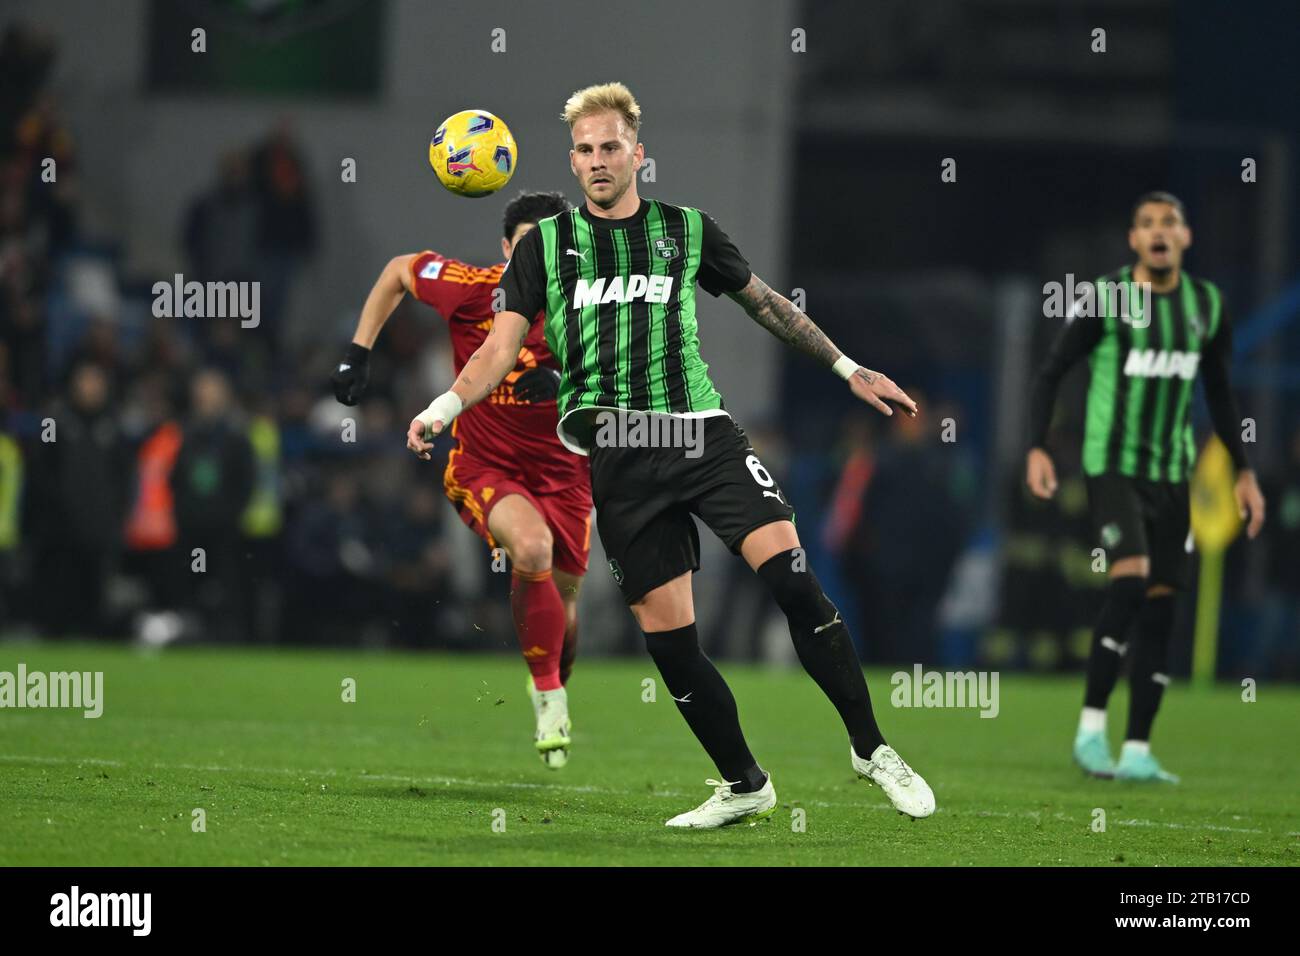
x=1147, y=330
x=617, y=279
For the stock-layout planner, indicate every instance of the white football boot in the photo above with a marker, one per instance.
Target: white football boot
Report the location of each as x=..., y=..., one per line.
x=904, y=787
x=554, y=729
x=725, y=807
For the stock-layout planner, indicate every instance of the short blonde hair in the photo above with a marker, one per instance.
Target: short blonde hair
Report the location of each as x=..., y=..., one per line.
x=602, y=97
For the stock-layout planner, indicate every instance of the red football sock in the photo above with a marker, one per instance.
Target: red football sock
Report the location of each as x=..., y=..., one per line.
x=539, y=624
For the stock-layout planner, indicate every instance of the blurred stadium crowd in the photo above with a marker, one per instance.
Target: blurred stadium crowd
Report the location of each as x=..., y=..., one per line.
x=130, y=441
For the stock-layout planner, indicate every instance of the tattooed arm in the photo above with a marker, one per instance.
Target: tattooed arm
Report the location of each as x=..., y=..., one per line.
x=778, y=315
x=483, y=371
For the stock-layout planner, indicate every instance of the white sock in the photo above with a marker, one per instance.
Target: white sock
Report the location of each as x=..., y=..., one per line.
x=1139, y=747
x=1093, y=720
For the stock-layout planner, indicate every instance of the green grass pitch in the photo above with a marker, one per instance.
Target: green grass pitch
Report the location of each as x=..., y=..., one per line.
x=414, y=770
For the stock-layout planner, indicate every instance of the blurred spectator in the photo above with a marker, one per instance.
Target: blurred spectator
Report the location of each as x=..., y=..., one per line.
x=221, y=226
x=331, y=563
x=261, y=525
x=42, y=167
x=415, y=564
x=212, y=482
x=79, y=497
x=31, y=132
x=256, y=223
x=21, y=331
x=26, y=57
x=222, y=235
x=286, y=228
x=151, y=536
x=287, y=222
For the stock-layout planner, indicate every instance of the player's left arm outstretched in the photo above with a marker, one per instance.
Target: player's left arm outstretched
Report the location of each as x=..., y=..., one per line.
x=779, y=316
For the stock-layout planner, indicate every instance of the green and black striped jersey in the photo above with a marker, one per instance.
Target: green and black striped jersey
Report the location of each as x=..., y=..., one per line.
x=619, y=297
x=1144, y=358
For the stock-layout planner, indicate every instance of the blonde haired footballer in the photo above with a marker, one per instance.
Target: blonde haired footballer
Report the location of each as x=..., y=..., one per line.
x=617, y=281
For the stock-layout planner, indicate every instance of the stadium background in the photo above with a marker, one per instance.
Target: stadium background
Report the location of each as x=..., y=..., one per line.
x=823, y=165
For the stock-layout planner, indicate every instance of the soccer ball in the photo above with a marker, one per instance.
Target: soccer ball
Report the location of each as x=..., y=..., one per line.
x=473, y=153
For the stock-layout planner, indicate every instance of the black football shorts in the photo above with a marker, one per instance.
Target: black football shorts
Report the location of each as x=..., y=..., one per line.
x=646, y=500
x=1132, y=517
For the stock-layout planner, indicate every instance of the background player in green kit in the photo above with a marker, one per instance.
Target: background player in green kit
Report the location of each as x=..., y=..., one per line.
x=1138, y=451
x=617, y=280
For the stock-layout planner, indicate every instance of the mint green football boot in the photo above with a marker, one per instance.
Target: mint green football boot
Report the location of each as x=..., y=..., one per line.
x=1092, y=753
x=1142, y=766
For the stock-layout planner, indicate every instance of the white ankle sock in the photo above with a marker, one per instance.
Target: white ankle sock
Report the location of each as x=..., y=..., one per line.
x=1093, y=720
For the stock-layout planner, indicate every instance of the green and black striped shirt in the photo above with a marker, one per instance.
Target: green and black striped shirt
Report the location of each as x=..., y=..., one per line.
x=619, y=297
x=1144, y=359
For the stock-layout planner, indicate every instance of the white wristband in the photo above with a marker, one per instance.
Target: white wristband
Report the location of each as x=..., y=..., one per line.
x=844, y=367
x=442, y=409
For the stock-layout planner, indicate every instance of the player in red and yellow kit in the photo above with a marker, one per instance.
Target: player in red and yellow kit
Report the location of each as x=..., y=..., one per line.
x=509, y=477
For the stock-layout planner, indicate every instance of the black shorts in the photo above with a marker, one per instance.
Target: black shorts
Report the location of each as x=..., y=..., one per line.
x=645, y=498
x=1133, y=517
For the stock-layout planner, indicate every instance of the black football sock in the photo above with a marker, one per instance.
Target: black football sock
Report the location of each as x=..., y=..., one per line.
x=823, y=644
x=1124, y=599
x=1147, y=679
x=705, y=700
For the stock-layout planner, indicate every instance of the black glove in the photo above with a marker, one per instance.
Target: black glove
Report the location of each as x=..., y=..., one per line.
x=352, y=375
x=539, y=384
